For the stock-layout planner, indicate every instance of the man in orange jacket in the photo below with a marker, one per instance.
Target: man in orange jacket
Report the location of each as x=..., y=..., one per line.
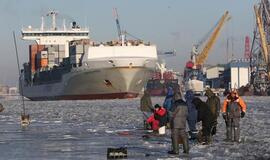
x=233, y=108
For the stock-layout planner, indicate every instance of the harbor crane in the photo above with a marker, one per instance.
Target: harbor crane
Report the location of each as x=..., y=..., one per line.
x=115, y=14
x=200, y=58
x=260, y=49
x=193, y=74
x=122, y=33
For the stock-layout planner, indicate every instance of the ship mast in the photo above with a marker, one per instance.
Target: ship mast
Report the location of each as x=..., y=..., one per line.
x=53, y=15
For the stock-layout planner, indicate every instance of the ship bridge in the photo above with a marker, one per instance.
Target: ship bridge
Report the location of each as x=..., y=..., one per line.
x=54, y=35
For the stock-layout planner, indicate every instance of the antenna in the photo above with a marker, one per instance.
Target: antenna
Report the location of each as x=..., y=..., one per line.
x=42, y=23
x=64, y=24
x=25, y=119
x=53, y=15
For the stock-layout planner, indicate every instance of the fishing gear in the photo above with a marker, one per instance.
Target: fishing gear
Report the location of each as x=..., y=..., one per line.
x=25, y=118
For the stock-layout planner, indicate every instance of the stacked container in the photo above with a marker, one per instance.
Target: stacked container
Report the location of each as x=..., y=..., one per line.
x=76, y=52
x=42, y=59
x=33, y=50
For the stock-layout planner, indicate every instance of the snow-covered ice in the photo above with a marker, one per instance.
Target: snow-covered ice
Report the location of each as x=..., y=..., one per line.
x=85, y=129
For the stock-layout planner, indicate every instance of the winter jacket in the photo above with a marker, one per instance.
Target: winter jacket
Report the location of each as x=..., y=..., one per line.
x=146, y=103
x=227, y=105
x=213, y=102
x=204, y=113
x=154, y=123
x=169, y=99
x=192, y=111
x=161, y=116
x=179, y=115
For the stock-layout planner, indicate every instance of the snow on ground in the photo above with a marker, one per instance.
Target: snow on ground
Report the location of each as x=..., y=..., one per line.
x=85, y=129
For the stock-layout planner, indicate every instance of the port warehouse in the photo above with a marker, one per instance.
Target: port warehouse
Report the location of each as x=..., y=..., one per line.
x=234, y=74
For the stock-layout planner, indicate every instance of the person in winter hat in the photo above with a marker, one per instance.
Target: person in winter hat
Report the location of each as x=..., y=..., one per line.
x=233, y=108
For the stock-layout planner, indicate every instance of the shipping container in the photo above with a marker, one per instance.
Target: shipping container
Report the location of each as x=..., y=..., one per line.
x=61, y=48
x=42, y=54
x=42, y=63
x=168, y=75
x=76, y=49
x=75, y=59
x=33, y=50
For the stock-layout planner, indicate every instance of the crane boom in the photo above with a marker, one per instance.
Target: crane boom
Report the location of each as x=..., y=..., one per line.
x=200, y=58
x=115, y=13
x=262, y=35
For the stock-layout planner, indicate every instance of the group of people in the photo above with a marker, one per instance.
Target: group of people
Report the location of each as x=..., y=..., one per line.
x=177, y=111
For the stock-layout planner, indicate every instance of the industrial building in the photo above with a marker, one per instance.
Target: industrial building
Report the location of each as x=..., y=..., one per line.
x=237, y=73
x=214, y=76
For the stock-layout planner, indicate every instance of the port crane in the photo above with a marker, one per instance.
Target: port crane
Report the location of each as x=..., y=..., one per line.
x=193, y=75
x=260, y=75
x=122, y=33
x=200, y=58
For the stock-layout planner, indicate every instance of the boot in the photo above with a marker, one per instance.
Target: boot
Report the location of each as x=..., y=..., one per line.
x=229, y=131
x=236, y=134
x=175, y=146
x=185, y=146
x=193, y=135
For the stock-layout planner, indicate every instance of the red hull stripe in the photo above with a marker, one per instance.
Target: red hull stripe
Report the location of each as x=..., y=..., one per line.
x=87, y=97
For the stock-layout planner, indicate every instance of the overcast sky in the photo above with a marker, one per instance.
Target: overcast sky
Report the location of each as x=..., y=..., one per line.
x=170, y=24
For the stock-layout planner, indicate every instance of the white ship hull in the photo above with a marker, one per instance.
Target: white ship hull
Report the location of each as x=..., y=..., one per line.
x=125, y=78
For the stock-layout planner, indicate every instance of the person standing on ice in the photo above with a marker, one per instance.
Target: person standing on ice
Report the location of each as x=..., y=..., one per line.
x=233, y=108
x=205, y=115
x=213, y=102
x=178, y=124
x=168, y=99
x=146, y=106
x=192, y=115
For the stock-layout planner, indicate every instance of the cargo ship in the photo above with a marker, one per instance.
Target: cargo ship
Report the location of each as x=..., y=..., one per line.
x=64, y=64
x=161, y=80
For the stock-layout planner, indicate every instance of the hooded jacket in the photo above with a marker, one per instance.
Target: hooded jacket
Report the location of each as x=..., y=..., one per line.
x=213, y=102
x=237, y=99
x=192, y=111
x=179, y=115
x=169, y=99
x=146, y=103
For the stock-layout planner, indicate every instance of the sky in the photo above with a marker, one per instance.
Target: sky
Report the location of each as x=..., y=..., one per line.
x=170, y=24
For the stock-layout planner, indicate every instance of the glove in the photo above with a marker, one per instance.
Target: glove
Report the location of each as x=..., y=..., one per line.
x=243, y=114
x=224, y=116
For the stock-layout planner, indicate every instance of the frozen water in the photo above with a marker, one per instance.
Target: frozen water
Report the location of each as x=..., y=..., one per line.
x=85, y=129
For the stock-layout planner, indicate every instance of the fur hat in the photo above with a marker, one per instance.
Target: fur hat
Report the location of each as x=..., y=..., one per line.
x=157, y=106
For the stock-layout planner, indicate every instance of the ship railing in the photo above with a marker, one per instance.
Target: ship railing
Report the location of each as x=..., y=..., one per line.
x=27, y=29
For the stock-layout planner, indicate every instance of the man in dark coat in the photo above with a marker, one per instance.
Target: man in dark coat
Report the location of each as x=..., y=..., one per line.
x=205, y=115
x=178, y=124
x=146, y=102
x=192, y=114
x=146, y=107
x=214, y=103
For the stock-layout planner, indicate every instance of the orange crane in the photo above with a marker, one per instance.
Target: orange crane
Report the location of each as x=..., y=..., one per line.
x=200, y=58
x=193, y=76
